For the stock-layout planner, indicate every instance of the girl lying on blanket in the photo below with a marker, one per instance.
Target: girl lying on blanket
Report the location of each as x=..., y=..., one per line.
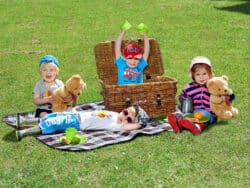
x=131, y=118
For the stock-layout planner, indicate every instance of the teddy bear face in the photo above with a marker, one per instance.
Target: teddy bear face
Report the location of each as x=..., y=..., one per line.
x=219, y=86
x=75, y=85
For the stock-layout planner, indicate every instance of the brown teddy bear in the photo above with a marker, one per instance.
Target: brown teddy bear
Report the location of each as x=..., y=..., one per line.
x=221, y=97
x=74, y=87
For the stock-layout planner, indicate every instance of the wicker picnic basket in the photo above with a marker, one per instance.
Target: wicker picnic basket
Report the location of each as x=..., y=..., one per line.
x=156, y=95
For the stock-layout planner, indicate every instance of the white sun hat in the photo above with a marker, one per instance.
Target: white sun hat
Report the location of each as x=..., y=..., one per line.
x=199, y=59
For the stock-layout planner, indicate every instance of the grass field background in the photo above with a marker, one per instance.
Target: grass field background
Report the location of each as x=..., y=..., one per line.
x=69, y=30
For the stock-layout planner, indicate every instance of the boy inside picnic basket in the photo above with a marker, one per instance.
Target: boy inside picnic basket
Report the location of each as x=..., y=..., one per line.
x=132, y=62
x=122, y=86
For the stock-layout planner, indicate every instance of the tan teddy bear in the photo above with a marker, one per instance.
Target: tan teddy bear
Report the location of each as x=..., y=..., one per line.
x=221, y=97
x=74, y=86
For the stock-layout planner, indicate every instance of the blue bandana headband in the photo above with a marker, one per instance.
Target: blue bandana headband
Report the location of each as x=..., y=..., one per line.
x=142, y=117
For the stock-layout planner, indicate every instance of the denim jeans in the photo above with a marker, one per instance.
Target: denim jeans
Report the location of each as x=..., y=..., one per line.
x=59, y=122
x=209, y=115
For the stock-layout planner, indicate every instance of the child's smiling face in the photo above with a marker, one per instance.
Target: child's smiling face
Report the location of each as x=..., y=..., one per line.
x=201, y=75
x=132, y=62
x=49, y=71
x=127, y=116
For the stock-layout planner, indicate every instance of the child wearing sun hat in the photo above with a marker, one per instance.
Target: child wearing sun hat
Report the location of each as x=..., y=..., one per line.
x=200, y=71
x=132, y=62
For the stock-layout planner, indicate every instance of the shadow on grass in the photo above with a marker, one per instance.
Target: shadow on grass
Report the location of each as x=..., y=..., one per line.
x=218, y=123
x=221, y=123
x=10, y=137
x=243, y=8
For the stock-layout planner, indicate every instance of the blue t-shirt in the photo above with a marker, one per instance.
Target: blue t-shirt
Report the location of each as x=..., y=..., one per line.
x=127, y=75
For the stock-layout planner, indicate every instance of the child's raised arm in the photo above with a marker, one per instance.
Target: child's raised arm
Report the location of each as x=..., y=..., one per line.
x=146, y=46
x=118, y=44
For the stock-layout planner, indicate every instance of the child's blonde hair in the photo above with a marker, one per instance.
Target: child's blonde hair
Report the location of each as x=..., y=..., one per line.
x=49, y=59
x=46, y=64
x=133, y=110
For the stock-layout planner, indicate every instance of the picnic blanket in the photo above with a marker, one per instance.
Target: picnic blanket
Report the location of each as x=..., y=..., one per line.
x=95, y=139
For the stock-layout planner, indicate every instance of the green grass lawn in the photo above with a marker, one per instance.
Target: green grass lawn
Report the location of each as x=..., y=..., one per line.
x=69, y=30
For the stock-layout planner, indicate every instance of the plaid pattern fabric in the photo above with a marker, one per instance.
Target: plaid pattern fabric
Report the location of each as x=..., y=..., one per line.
x=95, y=139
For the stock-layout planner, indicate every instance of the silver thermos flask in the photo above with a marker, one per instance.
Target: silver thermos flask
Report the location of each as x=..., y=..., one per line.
x=187, y=105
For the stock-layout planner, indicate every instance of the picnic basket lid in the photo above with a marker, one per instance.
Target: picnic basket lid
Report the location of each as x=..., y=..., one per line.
x=105, y=57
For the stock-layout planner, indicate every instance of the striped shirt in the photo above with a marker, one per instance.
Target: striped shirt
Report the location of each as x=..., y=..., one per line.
x=199, y=95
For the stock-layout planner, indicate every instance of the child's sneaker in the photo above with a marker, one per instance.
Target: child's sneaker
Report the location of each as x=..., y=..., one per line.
x=173, y=120
x=25, y=132
x=19, y=135
x=195, y=128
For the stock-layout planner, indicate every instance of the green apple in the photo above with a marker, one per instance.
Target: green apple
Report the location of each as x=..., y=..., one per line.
x=75, y=140
x=63, y=140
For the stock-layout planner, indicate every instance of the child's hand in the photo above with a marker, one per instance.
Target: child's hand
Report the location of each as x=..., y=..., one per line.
x=50, y=99
x=71, y=109
x=143, y=35
x=226, y=98
x=68, y=98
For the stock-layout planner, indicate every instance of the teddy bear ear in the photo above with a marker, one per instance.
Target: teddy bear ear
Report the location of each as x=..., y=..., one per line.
x=225, y=77
x=77, y=75
x=209, y=83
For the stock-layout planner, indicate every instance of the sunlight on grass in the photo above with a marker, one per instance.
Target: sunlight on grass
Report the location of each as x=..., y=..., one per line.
x=70, y=30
